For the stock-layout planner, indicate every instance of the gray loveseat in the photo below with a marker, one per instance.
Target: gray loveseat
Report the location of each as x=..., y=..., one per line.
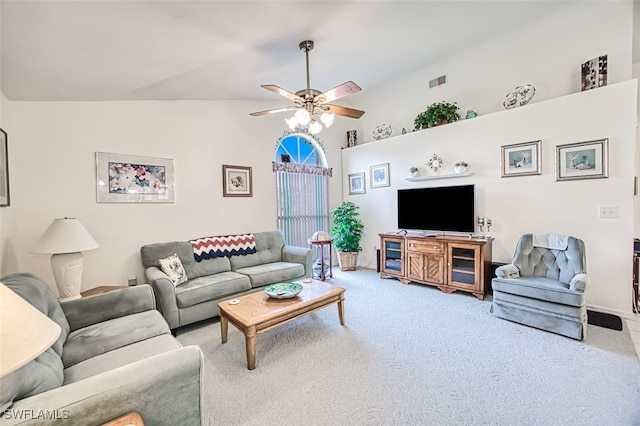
x=209, y=281
x=115, y=355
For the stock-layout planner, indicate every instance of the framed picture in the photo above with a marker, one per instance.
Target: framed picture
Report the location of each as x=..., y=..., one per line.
x=236, y=181
x=122, y=178
x=379, y=175
x=4, y=170
x=594, y=73
x=521, y=159
x=583, y=160
x=357, y=184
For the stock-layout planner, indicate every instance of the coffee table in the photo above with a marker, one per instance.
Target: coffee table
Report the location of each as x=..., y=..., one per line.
x=256, y=313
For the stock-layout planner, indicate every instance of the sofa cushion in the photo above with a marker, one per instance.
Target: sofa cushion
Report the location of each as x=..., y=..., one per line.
x=106, y=336
x=40, y=375
x=270, y=273
x=211, y=287
x=37, y=293
x=120, y=357
x=172, y=266
x=269, y=249
x=539, y=288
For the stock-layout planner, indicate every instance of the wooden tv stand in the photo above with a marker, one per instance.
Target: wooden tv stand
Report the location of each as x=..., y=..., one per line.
x=450, y=263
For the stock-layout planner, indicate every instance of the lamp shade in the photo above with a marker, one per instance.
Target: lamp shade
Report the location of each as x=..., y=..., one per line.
x=66, y=235
x=25, y=332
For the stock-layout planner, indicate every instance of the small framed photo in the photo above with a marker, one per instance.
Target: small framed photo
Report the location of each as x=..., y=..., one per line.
x=4, y=170
x=379, y=175
x=583, y=160
x=357, y=184
x=236, y=181
x=521, y=159
x=122, y=178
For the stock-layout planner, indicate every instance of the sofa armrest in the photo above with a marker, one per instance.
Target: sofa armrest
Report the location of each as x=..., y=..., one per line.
x=508, y=271
x=165, y=294
x=299, y=255
x=579, y=282
x=166, y=389
x=105, y=306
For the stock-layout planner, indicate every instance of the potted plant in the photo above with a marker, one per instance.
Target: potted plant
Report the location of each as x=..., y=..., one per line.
x=461, y=166
x=436, y=114
x=414, y=171
x=347, y=233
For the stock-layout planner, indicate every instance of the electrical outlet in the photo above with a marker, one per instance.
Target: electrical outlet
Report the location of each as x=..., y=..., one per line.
x=607, y=212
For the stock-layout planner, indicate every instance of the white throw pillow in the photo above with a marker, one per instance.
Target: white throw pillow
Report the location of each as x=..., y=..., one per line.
x=174, y=269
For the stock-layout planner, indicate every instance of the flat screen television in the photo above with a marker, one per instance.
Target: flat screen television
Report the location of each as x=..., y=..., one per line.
x=437, y=209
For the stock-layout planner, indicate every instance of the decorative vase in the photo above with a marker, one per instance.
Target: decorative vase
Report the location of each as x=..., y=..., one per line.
x=352, y=138
x=460, y=169
x=415, y=174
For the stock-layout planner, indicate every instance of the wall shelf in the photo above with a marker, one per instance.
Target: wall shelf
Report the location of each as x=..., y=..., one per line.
x=450, y=175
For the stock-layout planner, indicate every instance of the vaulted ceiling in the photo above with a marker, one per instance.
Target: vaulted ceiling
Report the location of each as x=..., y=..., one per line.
x=224, y=50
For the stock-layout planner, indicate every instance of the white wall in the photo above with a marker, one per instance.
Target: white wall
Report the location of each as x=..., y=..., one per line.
x=53, y=149
x=519, y=205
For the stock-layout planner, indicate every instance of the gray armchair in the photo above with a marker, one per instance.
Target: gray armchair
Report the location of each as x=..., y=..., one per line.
x=544, y=286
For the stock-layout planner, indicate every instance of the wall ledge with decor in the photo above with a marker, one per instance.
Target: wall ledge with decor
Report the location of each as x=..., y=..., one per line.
x=520, y=203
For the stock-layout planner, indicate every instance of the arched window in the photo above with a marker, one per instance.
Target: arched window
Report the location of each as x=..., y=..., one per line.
x=302, y=180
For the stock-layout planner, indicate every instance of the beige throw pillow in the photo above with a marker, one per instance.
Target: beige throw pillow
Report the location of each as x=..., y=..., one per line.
x=174, y=269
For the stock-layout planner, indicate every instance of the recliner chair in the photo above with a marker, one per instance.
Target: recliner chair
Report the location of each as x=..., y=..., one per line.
x=544, y=286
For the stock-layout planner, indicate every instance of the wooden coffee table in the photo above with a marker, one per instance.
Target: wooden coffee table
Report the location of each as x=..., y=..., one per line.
x=256, y=313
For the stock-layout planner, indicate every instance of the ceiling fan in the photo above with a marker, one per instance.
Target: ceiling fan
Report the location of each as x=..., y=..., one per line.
x=310, y=103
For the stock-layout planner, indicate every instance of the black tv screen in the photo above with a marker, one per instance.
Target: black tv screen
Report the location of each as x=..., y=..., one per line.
x=438, y=209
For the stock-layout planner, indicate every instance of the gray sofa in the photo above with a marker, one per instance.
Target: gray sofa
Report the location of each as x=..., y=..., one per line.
x=115, y=355
x=210, y=281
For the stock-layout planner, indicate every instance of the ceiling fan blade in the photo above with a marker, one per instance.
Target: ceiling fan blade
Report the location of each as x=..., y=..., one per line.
x=344, y=111
x=273, y=111
x=337, y=92
x=280, y=91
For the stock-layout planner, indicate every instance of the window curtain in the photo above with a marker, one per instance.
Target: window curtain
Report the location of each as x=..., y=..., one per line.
x=303, y=203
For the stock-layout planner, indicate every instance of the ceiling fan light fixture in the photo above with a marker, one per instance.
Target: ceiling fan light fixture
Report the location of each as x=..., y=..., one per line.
x=292, y=122
x=327, y=119
x=303, y=117
x=315, y=127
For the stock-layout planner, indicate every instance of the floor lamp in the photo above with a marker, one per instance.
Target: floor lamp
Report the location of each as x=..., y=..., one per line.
x=66, y=239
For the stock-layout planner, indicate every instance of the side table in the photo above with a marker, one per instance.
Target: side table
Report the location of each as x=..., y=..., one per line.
x=321, y=244
x=101, y=289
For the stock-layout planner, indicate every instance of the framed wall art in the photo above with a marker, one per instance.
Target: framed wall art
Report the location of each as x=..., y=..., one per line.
x=379, y=175
x=583, y=160
x=357, y=184
x=122, y=178
x=521, y=159
x=4, y=170
x=237, y=181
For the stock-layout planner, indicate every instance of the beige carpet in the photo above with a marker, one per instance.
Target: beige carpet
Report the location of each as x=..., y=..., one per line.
x=412, y=355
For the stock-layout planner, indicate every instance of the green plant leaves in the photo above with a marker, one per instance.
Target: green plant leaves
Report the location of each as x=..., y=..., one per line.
x=347, y=227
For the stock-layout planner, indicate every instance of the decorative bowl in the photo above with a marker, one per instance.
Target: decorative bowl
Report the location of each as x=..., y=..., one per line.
x=283, y=290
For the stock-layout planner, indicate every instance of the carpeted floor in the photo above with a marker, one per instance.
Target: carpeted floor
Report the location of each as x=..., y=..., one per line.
x=412, y=355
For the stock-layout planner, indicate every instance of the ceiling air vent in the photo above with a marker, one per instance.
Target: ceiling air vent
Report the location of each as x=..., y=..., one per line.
x=438, y=81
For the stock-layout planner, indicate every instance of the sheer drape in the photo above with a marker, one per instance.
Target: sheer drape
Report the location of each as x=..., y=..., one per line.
x=303, y=204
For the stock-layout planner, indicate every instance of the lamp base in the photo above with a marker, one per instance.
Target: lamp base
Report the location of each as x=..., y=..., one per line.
x=67, y=271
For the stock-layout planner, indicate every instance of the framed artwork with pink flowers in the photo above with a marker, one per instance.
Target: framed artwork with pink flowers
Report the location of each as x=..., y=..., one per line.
x=122, y=178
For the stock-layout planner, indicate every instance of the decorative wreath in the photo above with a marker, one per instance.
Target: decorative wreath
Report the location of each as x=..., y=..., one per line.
x=435, y=163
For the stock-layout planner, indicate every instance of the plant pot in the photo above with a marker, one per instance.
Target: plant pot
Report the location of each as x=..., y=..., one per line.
x=415, y=174
x=460, y=169
x=441, y=122
x=348, y=260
